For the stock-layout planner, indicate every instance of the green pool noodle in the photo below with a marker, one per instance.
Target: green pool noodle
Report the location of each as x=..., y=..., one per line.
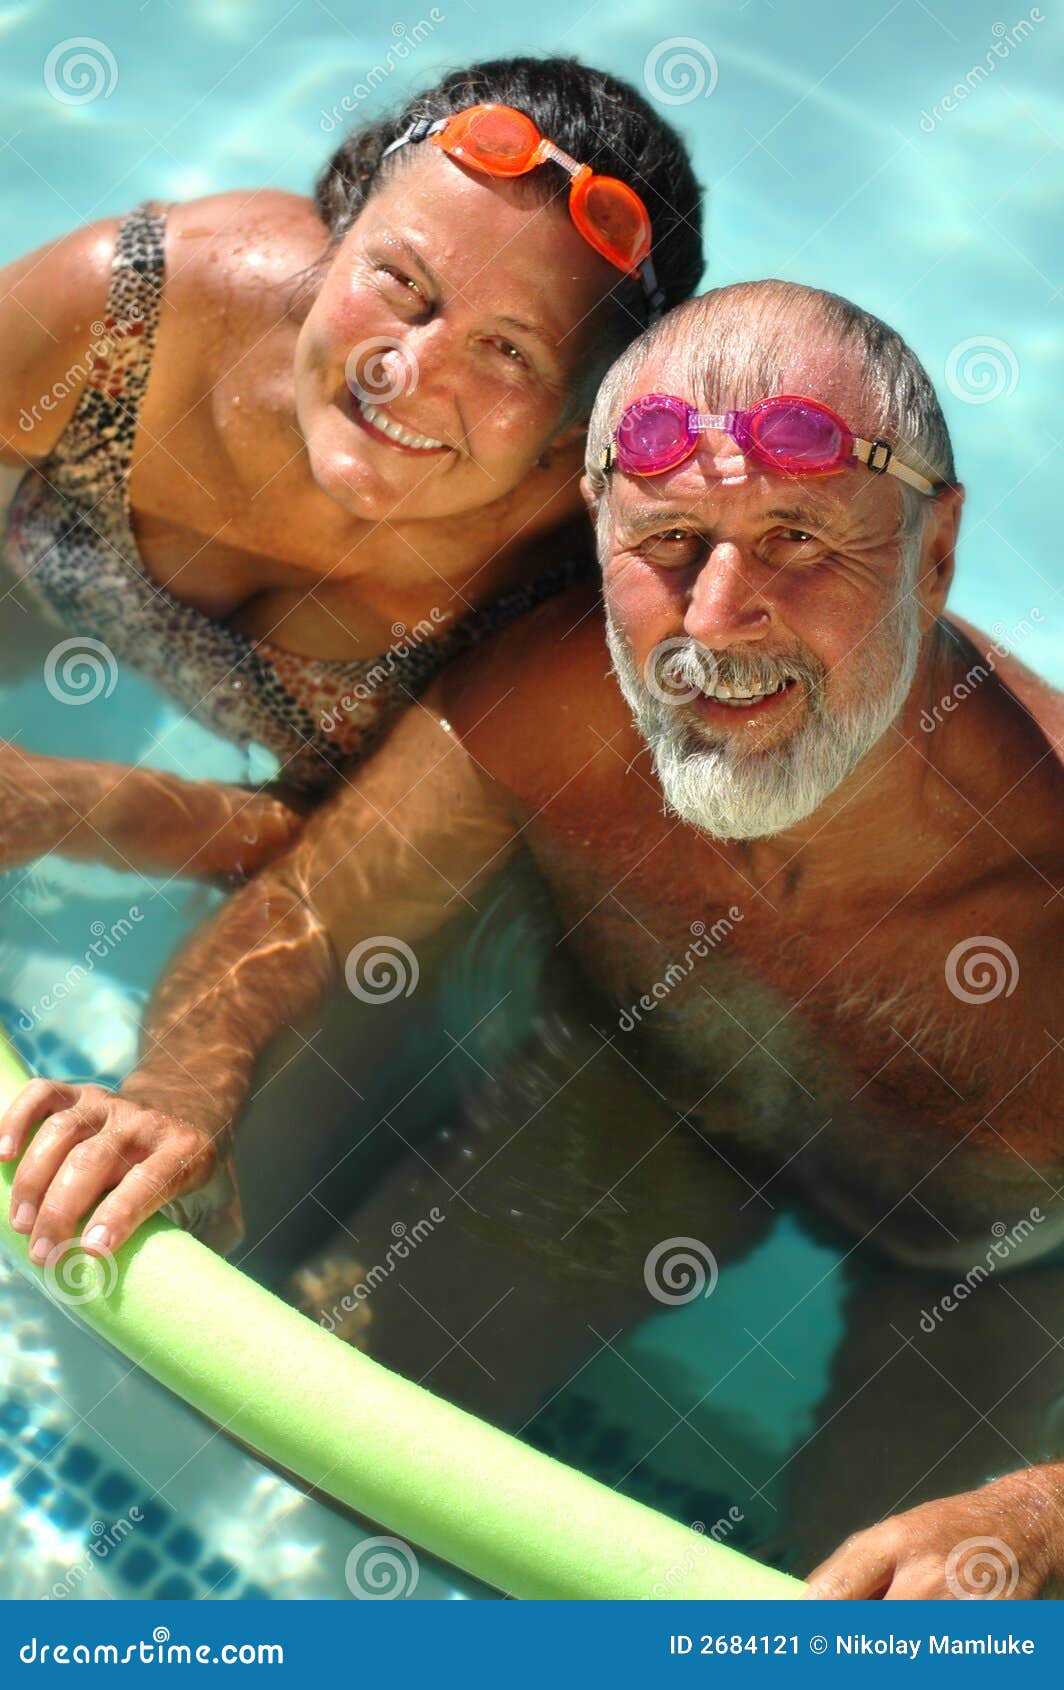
x=425, y=1470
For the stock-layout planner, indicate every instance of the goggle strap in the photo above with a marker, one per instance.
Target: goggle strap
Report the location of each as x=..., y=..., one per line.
x=550, y=151
x=419, y=130
x=653, y=292
x=881, y=461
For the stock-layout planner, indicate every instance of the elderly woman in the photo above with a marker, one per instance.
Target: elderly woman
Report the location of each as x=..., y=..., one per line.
x=296, y=434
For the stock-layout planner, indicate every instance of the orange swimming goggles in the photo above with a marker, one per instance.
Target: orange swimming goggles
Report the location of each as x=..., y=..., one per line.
x=501, y=141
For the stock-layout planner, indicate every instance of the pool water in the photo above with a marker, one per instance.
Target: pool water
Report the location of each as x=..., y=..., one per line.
x=819, y=168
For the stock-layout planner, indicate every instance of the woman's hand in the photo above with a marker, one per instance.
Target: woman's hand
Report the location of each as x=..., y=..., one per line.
x=1005, y=1540
x=110, y=1159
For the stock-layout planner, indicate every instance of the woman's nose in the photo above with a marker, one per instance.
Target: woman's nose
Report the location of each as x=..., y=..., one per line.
x=428, y=349
x=728, y=601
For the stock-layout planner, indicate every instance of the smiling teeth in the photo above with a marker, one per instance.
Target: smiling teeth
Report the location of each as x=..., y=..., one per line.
x=724, y=694
x=421, y=442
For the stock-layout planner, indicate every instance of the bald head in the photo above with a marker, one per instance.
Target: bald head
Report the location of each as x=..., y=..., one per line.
x=729, y=348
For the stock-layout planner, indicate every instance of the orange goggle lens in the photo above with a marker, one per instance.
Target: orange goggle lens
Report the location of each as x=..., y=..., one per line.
x=504, y=142
x=496, y=139
x=612, y=217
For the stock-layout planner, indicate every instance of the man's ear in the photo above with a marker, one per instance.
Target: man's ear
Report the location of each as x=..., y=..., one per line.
x=940, y=540
x=589, y=496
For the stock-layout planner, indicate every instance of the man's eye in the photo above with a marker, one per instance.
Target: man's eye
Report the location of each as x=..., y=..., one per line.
x=675, y=546
x=798, y=536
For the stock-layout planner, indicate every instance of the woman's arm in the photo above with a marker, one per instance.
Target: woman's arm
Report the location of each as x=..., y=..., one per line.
x=137, y=818
x=395, y=852
x=50, y=301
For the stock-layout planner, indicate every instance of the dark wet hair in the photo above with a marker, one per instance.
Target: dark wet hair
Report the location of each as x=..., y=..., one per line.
x=591, y=115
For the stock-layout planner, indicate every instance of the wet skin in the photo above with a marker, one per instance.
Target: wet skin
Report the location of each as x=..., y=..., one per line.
x=821, y=1031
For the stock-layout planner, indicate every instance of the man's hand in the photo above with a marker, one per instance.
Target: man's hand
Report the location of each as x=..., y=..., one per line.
x=1005, y=1540
x=93, y=1144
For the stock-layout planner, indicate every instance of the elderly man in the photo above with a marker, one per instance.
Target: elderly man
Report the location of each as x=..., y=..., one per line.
x=834, y=933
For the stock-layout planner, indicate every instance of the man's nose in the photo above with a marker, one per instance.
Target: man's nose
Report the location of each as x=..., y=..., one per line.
x=728, y=602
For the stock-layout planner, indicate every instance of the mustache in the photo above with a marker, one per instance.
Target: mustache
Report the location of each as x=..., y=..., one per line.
x=677, y=669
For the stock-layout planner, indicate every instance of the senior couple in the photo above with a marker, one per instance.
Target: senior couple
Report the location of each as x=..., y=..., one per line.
x=775, y=509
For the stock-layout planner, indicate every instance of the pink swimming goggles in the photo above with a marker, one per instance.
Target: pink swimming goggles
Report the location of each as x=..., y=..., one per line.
x=787, y=433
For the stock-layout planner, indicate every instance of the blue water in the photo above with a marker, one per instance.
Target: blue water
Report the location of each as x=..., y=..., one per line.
x=819, y=144
x=828, y=157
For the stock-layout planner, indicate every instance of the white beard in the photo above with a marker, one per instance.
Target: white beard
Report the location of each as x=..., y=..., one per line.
x=748, y=795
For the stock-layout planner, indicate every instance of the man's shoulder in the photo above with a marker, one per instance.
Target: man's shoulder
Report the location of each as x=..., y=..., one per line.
x=540, y=694
x=998, y=655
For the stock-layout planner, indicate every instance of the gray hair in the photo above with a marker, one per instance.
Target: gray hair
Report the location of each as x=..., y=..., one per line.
x=731, y=346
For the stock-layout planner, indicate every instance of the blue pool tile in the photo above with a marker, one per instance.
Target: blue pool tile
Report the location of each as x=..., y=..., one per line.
x=255, y=1593
x=45, y=1441
x=66, y=1509
x=78, y=1464
x=218, y=1574
x=185, y=1547
x=33, y=1485
x=14, y=1414
x=154, y=1516
x=8, y=1459
x=138, y=1567
x=175, y=1588
x=113, y=1490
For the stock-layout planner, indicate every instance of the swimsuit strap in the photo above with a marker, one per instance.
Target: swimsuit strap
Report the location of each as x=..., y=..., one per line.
x=97, y=444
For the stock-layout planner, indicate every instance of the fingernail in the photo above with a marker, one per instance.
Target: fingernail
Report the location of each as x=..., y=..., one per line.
x=41, y=1250
x=24, y=1217
x=7, y=1146
x=98, y=1238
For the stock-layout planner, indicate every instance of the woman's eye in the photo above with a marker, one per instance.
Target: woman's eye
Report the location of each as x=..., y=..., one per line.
x=406, y=282
x=511, y=353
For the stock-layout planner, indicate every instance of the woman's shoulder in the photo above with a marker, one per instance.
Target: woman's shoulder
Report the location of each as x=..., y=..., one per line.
x=231, y=252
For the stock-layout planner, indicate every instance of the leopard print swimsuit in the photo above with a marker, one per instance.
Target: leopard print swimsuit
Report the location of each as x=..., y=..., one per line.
x=70, y=539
